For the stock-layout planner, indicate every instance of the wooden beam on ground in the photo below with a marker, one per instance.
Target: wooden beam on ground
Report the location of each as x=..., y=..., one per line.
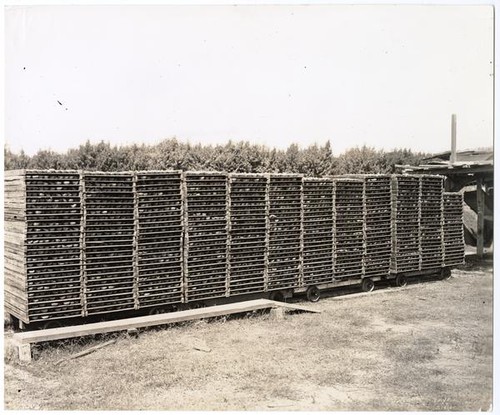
x=480, y=216
x=386, y=291
x=25, y=339
x=290, y=306
x=86, y=352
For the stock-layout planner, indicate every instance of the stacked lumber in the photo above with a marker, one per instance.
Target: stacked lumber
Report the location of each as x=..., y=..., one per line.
x=406, y=223
x=42, y=245
x=14, y=198
x=206, y=242
x=318, y=231
x=159, y=238
x=15, y=284
x=109, y=234
x=285, y=234
x=377, y=258
x=454, y=253
x=349, y=229
x=248, y=216
x=431, y=221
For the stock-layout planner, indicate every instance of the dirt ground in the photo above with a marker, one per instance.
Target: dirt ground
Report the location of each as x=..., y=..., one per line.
x=427, y=347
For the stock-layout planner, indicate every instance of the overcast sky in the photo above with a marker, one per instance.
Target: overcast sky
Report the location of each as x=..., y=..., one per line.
x=384, y=76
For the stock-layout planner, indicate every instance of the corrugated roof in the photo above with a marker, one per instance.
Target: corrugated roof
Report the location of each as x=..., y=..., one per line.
x=468, y=157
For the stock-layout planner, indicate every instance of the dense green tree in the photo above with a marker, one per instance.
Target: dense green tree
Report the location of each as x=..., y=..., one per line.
x=291, y=160
x=401, y=156
x=14, y=161
x=359, y=160
x=239, y=156
x=316, y=161
x=46, y=159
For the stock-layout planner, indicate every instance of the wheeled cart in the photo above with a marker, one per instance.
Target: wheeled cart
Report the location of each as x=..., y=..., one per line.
x=90, y=245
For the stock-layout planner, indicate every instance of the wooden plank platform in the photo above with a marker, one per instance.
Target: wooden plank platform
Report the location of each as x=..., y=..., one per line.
x=24, y=340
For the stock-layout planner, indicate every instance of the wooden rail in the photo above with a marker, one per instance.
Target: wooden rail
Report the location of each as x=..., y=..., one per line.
x=24, y=340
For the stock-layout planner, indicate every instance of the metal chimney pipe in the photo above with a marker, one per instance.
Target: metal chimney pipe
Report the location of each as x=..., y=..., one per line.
x=453, y=155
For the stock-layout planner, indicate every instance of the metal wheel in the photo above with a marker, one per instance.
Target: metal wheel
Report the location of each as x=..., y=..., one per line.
x=277, y=296
x=155, y=310
x=181, y=307
x=367, y=285
x=401, y=281
x=313, y=294
x=445, y=273
x=51, y=324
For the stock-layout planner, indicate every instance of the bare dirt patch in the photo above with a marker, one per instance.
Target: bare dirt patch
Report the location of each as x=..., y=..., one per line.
x=427, y=347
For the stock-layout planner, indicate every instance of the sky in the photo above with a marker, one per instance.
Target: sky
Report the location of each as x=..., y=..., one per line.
x=382, y=76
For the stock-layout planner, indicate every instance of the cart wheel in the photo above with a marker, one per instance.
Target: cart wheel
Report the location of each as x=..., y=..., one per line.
x=401, y=281
x=277, y=296
x=53, y=324
x=155, y=310
x=367, y=285
x=445, y=273
x=313, y=294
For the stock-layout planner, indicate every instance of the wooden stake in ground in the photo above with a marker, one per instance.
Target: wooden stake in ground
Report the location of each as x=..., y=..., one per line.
x=86, y=352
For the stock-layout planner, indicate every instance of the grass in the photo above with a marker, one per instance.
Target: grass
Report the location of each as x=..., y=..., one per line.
x=428, y=348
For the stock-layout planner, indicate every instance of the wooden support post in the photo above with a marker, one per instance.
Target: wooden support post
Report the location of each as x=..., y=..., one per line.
x=24, y=352
x=135, y=243
x=441, y=227
x=420, y=224
x=277, y=313
x=268, y=230
x=185, y=236
x=394, y=229
x=301, y=237
x=334, y=226
x=228, y=235
x=133, y=332
x=448, y=184
x=182, y=191
x=83, y=250
x=480, y=217
x=363, y=258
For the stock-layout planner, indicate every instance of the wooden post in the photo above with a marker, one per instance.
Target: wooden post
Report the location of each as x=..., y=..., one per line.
x=334, y=227
x=301, y=237
x=363, y=258
x=229, y=180
x=480, y=217
x=453, y=155
x=443, y=264
x=135, y=243
x=24, y=352
x=268, y=230
x=83, y=250
x=394, y=228
x=277, y=313
x=420, y=223
x=185, y=235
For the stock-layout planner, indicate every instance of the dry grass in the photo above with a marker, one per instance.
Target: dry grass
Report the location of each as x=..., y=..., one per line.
x=425, y=348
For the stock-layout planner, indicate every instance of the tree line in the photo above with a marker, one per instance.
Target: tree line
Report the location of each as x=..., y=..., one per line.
x=240, y=156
